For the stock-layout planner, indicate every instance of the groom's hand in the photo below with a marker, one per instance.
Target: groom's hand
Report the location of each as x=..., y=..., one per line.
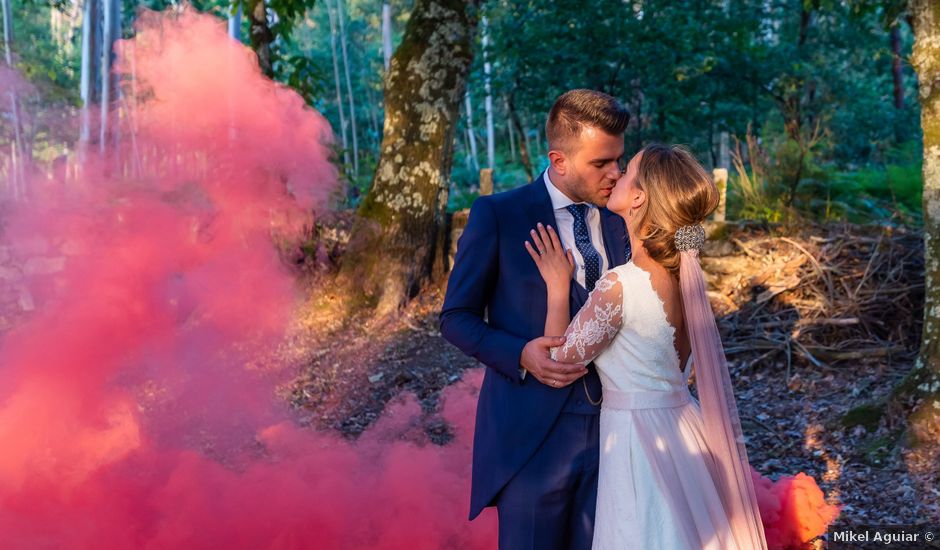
x=536, y=358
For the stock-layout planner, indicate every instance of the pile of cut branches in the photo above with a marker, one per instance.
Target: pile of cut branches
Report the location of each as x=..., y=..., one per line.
x=823, y=296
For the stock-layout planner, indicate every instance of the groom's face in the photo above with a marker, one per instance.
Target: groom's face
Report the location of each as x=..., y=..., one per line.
x=593, y=165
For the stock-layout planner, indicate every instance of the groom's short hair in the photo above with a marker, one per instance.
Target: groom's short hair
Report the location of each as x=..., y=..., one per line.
x=576, y=109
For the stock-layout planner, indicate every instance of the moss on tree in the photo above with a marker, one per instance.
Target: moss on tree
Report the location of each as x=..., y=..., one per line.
x=396, y=237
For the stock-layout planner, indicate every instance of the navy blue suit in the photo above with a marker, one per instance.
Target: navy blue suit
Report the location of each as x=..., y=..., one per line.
x=495, y=304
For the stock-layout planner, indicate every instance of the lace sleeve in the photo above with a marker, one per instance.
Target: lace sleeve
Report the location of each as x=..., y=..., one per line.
x=595, y=325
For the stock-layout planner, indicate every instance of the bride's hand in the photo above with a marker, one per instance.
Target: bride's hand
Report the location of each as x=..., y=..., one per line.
x=556, y=265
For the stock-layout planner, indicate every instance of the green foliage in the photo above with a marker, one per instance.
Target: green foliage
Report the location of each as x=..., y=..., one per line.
x=300, y=73
x=750, y=196
x=813, y=80
x=41, y=58
x=826, y=193
x=872, y=193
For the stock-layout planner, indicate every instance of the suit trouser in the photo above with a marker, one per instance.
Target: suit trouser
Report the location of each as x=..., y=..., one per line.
x=550, y=502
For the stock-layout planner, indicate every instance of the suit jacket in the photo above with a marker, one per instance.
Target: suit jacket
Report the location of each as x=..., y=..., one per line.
x=495, y=303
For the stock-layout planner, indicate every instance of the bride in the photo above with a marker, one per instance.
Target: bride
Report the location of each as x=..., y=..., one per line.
x=673, y=472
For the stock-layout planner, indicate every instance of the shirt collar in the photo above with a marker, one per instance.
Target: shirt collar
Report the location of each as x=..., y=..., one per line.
x=559, y=199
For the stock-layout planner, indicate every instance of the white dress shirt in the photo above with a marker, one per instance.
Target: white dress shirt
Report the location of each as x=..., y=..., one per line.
x=564, y=221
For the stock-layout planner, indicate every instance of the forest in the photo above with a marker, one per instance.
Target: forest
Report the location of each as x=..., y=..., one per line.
x=217, y=209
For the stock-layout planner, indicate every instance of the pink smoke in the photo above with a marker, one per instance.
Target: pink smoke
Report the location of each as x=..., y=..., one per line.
x=793, y=510
x=137, y=403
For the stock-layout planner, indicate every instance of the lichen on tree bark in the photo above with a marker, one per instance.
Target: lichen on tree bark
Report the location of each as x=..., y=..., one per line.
x=925, y=58
x=396, y=234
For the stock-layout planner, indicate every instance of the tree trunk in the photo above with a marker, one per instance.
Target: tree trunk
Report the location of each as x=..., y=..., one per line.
x=387, y=33
x=349, y=92
x=470, y=134
x=538, y=141
x=896, y=72
x=336, y=81
x=7, y=32
x=260, y=34
x=512, y=133
x=110, y=21
x=524, y=139
x=17, y=169
x=490, y=132
x=91, y=57
x=792, y=109
x=463, y=147
x=235, y=21
x=65, y=24
x=372, y=102
x=926, y=61
x=396, y=240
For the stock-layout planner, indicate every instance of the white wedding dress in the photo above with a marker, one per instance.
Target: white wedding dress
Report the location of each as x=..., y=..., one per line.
x=656, y=487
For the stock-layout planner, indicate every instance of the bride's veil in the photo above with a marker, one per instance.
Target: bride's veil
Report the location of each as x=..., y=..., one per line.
x=719, y=412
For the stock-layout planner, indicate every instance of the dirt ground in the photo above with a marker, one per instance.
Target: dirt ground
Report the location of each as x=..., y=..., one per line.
x=792, y=403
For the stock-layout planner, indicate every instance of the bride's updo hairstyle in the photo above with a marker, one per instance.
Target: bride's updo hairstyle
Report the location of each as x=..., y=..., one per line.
x=679, y=192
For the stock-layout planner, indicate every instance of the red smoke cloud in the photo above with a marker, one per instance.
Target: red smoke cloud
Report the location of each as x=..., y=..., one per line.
x=137, y=405
x=793, y=510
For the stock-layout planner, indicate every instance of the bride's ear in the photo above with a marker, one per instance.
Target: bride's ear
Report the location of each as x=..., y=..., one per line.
x=638, y=199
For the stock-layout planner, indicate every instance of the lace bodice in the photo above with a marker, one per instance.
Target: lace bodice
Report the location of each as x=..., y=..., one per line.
x=623, y=328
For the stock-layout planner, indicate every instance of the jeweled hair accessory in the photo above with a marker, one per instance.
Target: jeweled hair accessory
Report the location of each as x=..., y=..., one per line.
x=690, y=237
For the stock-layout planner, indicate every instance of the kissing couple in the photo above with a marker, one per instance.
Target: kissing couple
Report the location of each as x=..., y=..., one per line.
x=582, y=294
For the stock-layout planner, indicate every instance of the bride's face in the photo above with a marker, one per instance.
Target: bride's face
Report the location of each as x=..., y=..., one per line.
x=627, y=193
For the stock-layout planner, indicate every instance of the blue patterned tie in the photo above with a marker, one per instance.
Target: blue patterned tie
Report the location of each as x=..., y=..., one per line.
x=582, y=239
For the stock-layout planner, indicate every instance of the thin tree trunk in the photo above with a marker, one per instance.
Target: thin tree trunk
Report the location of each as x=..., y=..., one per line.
x=235, y=33
x=470, y=137
x=396, y=240
x=465, y=150
x=926, y=61
x=538, y=141
x=512, y=132
x=66, y=26
x=17, y=172
x=55, y=27
x=490, y=132
x=7, y=33
x=91, y=56
x=336, y=81
x=527, y=141
x=260, y=34
x=373, y=114
x=792, y=109
x=235, y=20
x=109, y=9
x=136, y=164
x=386, y=33
x=349, y=92
x=896, y=72
x=638, y=140
x=524, y=140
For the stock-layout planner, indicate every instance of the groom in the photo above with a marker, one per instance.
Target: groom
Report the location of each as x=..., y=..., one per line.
x=535, y=449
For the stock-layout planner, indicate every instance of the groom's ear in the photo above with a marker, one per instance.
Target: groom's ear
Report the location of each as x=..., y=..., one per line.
x=558, y=161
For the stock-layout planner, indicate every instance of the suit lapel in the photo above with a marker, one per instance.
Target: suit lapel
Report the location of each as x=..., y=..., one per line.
x=540, y=205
